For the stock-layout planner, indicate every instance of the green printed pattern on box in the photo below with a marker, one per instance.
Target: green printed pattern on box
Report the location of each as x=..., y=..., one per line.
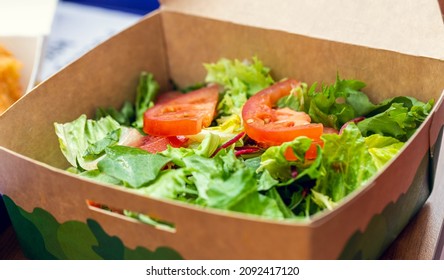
x=42, y=237
x=385, y=227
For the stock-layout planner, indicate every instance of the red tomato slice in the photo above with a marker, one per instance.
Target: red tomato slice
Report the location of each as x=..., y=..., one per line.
x=186, y=114
x=155, y=144
x=272, y=126
x=167, y=96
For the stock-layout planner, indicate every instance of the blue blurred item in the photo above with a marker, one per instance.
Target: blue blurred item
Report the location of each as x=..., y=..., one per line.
x=140, y=7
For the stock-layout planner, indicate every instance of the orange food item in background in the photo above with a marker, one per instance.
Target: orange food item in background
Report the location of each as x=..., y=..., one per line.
x=10, y=88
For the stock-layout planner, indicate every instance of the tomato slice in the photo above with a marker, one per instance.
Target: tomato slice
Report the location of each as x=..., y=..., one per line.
x=272, y=126
x=155, y=144
x=185, y=114
x=168, y=96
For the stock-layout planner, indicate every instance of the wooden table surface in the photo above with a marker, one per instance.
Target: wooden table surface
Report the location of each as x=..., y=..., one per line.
x=420, y=240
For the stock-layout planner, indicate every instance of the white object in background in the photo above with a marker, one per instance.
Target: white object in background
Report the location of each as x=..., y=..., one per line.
x=77, y=29
x=24, y=25
x=27, y=50
x=26, y=17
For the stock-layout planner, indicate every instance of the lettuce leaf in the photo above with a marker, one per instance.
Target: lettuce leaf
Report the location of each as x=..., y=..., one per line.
x=146, y=94
x=274, y=162
x=322, y=200
x=224, y=182
x=398, y=117
x=205, y=149
x=227, y=192
x=96, y=175
x=337, y=104
x=259, y=204
x=284, y=209
x=228, y=127
x=172, y=184
x=131, y=114
x=211, y=172
x=129, y=165
x=382, y=148
x=240, y=79
x=82, y=138
x=346, y=163
x=393, y=122
x=295, y=100
x=125, y=116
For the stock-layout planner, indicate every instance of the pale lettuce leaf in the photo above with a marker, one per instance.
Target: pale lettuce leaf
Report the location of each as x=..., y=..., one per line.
x=240, y=80
x=382, y=148
x=76, y=137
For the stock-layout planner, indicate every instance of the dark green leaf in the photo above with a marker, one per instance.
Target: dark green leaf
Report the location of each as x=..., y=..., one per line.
x=124, y=117
x=393, y=122
x=274, y=194
x=337, y=104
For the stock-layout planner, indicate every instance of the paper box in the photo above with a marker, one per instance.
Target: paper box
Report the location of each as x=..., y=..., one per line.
x=48, y=206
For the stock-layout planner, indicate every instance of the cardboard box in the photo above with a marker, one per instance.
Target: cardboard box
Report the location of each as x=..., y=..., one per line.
x=48, y=205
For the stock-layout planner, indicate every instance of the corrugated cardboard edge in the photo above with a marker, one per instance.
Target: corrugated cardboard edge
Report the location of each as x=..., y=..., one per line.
x=412, y=27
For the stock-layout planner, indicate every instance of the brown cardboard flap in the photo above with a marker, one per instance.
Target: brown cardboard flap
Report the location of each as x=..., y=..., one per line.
x=408, y=26
x=386, y=73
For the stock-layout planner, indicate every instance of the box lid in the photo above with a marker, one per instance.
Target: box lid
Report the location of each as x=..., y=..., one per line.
x=26, y=17
x=412, y=27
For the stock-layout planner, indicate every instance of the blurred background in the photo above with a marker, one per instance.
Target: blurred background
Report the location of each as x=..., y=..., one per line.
x=79, y=25
x=140, y=7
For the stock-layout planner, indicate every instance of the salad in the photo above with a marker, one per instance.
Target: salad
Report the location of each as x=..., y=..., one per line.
x=241, y=141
